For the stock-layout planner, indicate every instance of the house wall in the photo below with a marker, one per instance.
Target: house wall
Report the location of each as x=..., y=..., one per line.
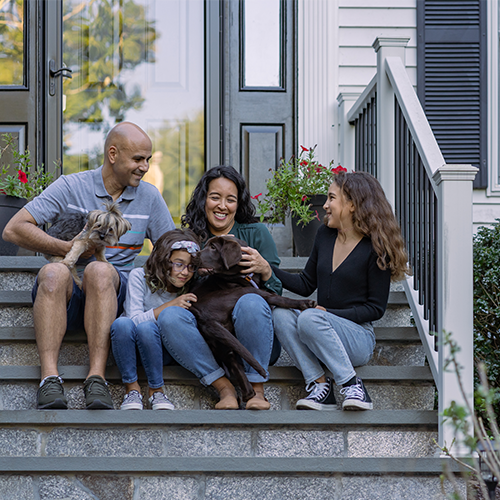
x=336, y=56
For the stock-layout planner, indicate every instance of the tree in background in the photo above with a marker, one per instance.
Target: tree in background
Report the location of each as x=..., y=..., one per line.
x=11, y=42
x=114, y=38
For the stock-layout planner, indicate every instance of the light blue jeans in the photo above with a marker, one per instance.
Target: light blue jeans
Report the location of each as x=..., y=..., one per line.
x=253, y=327
x=127, y=339
x=313, y=336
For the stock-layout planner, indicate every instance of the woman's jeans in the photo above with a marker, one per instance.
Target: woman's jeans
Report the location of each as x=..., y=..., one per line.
x=313, y=336
x=127, y=339
x=253, y=327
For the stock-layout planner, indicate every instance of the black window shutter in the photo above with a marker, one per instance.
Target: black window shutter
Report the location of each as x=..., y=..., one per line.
x=451, y=81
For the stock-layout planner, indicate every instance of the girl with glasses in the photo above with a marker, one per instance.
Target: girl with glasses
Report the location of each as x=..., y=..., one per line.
x=163, y=282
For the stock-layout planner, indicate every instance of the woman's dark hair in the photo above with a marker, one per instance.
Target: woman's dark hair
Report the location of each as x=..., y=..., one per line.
x=195, y=217
x=157, y=267
x=373, y=217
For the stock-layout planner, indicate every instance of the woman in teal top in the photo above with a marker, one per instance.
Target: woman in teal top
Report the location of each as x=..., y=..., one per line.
x=220, y=205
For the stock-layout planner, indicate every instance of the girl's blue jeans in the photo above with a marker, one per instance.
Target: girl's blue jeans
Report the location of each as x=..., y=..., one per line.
x=314, y=337
x=128, y=340
x=253, y=327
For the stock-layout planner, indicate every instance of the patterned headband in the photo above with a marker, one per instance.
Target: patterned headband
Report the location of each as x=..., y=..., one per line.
x=190, y=246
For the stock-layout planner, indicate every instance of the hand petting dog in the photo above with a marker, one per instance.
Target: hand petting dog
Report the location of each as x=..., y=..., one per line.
x=253, y=262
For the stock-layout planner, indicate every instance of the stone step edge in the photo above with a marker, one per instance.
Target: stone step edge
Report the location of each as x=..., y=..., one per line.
x=32, y=264
x=22, y=298
x=264, y=465
x=179, y=374
x=87, y=418
x=400, y=334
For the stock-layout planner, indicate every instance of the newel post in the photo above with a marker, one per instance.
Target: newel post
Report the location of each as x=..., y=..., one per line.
x=386, y=47
x=455, y=287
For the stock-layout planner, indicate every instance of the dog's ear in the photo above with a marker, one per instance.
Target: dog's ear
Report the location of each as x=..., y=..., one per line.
x=92, y=217
x=230, y=251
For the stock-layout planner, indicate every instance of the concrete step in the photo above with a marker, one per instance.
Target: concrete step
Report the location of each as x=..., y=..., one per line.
x=222, y=479
x=216, y=434
x=394, y=387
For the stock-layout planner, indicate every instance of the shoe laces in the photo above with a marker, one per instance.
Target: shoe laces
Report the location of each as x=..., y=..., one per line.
x=133, y=396
x=159, y=396
x=353, y=391
x=51, y=385
x=317, y=390
x=96, y=387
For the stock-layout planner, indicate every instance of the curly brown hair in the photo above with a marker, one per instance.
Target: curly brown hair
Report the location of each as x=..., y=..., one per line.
x=157, y=267
x=373, y=217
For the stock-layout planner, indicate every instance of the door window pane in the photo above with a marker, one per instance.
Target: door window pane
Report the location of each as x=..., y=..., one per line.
x=140, y=61
x=261, y=44
x=12, y=42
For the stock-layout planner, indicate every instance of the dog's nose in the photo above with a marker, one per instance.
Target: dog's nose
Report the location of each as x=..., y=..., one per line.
x=102, y=235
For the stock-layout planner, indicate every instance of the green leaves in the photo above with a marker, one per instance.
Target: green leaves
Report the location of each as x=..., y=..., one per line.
x=291, y=185
x=487, y=310
x=27, y=181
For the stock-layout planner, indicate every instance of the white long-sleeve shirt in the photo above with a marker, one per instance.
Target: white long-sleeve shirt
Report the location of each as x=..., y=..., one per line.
x=140, y=301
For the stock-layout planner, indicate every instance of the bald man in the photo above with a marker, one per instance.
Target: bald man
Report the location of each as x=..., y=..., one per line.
x=58, y=304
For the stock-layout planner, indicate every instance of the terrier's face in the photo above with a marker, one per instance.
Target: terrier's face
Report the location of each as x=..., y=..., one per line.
x=106, y=227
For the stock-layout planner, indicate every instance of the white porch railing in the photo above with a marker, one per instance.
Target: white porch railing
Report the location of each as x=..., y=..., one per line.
x=433, y=202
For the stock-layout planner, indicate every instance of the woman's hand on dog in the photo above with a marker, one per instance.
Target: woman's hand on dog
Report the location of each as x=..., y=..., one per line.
x=185, y=301
x=253, y=262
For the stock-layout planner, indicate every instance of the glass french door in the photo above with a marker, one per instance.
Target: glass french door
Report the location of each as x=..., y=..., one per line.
x=141, y=61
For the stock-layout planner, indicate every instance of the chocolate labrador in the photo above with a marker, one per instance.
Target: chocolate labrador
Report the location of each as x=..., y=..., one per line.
x=217, y=295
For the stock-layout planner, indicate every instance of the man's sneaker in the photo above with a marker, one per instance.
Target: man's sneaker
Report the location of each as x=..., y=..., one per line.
x=320, y=397
x=97, y=396
x=356, y=397
x=132, y=401
x=50, y=395
x=159, y=401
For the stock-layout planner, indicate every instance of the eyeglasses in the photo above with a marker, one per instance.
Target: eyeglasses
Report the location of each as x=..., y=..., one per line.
x=179, y=267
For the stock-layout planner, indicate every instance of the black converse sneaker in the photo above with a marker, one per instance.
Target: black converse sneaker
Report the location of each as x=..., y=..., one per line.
x=320, y=397
x=356, y=397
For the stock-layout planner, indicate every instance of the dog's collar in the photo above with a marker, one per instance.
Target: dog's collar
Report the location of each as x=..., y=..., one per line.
x=249, y=278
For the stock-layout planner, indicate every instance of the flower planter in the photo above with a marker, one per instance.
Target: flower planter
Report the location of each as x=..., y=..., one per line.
x=9, y=206
x=303, y=236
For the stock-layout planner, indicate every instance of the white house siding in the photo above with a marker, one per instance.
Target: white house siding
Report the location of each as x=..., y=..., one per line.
x=336, y=56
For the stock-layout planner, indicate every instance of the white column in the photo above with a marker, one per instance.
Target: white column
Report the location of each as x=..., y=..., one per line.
x=317, y=77
x=455, y=286
x=385, y=47
x=347, y=132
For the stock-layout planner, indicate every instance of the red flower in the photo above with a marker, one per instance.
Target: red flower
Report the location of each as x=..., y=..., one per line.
x=304, y=149
x=256, y=197
x=303, y=163
x=304, y=198
x=318, y=170
x=23, y=178
x=339, y=169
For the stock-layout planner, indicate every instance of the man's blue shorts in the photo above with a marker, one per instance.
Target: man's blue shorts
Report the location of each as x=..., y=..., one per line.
x=76, y=305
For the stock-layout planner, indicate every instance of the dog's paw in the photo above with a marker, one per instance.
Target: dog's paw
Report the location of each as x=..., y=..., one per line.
x=308, y=304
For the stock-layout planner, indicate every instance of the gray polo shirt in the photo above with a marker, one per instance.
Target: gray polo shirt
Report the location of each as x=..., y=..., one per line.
x=142, y=206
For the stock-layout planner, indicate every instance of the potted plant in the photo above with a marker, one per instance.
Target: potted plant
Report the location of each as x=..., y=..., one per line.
x=17, y=188
x=298, y=188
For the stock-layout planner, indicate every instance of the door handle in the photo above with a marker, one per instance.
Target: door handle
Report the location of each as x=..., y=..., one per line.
x=54, y=73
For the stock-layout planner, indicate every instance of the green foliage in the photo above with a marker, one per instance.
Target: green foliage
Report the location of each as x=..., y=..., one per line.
x=483, y=434
x=290, y=186
x=28, y=181
x=11, y=42
x=487, y=310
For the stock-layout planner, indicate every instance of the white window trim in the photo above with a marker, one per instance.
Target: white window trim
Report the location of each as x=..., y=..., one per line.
x=493, y=35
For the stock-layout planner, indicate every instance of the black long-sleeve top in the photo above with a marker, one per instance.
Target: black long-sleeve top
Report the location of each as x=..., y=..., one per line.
x=357, y=290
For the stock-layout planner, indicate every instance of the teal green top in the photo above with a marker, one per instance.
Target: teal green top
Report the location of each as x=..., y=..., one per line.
x=258, y=237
